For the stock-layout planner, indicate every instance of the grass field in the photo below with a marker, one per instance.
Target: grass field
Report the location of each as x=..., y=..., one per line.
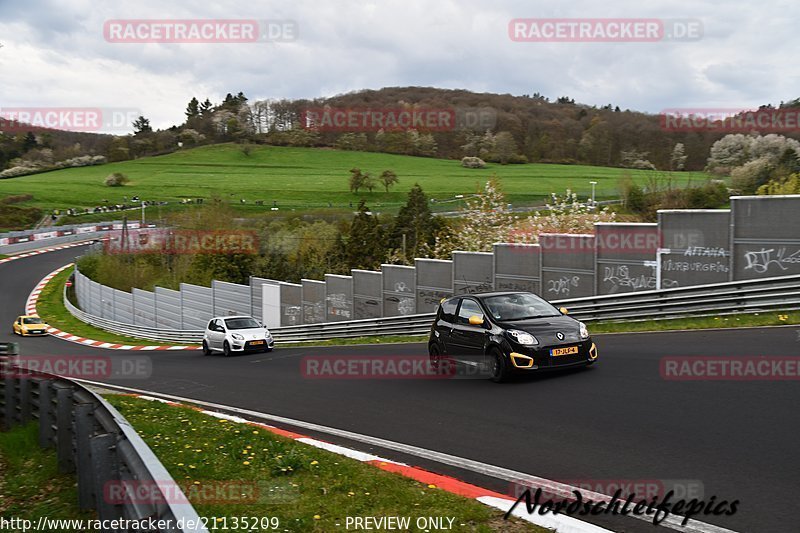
x=307, y=178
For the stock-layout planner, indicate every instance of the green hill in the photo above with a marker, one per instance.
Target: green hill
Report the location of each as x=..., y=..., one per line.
x=306, y=178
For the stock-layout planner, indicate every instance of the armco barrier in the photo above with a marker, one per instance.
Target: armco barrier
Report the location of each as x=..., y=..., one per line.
x=95, y=442
x=761, y=295
x=22, y=241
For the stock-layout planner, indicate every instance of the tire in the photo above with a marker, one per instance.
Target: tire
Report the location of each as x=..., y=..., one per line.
x=226, y=349
x=499, y=366
x=435, y=356
x=206, y=350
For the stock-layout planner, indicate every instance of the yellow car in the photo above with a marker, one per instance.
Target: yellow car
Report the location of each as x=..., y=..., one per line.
x=30, y=325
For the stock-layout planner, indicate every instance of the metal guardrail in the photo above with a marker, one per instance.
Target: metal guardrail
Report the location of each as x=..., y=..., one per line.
x=767, y=294
x=93, y=440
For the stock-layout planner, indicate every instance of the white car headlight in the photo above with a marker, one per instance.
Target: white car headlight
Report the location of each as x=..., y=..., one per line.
x=584, y=331
x=237, y=336
x=523, y=337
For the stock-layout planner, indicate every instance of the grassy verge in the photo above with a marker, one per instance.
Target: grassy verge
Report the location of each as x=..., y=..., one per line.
x=30, y=484
x=771, y=318
x=305, y=488
x=3, y=256
x=51, y=308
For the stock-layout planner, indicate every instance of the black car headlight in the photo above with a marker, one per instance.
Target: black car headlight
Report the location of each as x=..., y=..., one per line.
x=584, y=331
x=522, y=337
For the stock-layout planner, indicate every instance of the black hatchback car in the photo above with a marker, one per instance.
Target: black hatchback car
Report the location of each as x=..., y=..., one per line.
x=501, y=333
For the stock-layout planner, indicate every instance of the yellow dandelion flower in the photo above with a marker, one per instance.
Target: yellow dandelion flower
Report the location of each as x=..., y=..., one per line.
x=245, y=462
x=317, y=517
x=314, y=462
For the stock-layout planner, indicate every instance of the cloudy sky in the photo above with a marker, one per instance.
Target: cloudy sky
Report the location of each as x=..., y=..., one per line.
x=54, y=53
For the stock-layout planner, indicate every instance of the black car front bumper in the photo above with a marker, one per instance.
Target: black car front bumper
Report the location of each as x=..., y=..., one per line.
x=539, y=358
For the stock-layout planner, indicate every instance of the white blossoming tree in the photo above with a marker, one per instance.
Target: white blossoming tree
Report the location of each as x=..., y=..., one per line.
x=485, y=220
x=563, y=214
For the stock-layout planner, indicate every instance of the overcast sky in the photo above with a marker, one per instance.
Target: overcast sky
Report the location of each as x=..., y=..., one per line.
x=54, y=53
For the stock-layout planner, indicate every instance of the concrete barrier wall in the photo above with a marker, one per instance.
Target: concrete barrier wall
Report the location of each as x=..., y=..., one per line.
x=766, y=236
x=758, y=237
x=625, y=259
x=231, y=298
x=695, y=247
x=256, y=295
x=568, y=267
x=123, y=307
x=144, y=303
x=367, y=294
x=168, y=308
x=473, y=272
x=197, y=306
x=338, y=298
x=434, y=282
x=291, y=295
x=313, y=298
x=399, y=290
x=517, y=267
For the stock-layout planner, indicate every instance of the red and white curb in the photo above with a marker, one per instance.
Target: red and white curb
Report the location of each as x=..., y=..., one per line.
x=30, y=309
x=42, y=251
x=502, y=502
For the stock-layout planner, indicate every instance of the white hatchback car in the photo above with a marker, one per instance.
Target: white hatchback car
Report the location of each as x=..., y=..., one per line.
x=236, y=334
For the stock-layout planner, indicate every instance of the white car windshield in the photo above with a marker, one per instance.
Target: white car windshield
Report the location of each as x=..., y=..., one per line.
x=241, y=323
x=519, y=307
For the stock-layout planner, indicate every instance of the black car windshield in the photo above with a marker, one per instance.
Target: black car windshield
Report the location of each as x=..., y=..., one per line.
x=241, y=323
x=32, y=321
x=519, y=307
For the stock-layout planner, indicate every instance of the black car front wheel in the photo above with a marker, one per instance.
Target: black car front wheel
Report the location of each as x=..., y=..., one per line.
x=226, y=349
x=206, y=350
x=435, y=356
x=499, y=366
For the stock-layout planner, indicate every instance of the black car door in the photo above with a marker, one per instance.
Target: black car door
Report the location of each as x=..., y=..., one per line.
x=467, y=341
x=444, y=323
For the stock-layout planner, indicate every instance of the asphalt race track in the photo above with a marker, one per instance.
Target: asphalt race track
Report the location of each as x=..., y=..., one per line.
x=617, y=421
